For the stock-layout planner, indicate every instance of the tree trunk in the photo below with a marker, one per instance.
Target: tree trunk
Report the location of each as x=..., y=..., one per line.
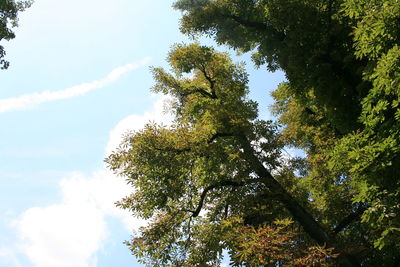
x=305, y=219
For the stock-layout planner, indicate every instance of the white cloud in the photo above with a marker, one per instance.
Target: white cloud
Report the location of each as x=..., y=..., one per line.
x=62, y=235
x=71, y=232
x=29, y=100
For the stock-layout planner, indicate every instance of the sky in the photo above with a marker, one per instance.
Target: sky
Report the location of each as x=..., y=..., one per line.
x=79, y=78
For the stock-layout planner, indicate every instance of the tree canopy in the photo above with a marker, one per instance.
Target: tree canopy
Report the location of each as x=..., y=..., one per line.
x=8, y=19
x=217, y=179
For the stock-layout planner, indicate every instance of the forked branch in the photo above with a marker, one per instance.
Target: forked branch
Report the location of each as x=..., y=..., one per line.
x=206, y=190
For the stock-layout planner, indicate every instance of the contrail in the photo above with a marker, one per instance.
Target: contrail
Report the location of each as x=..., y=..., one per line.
x=29, y=100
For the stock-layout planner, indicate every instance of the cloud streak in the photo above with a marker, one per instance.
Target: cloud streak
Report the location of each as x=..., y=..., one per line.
x=29, y=100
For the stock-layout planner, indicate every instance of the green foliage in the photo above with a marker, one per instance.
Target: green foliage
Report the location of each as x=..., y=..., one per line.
x=308, y=39
x=340, y=105
x=372, y=152
x=196, y=165
x=8, y=19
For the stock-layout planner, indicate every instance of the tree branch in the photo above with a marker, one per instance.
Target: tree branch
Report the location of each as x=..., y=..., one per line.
x=217, y=135
x=350, y=218
x=251, y=24
x=211, y=81
x=200, y=91
x=196, y=212
x=209, y=188
x=280, y=36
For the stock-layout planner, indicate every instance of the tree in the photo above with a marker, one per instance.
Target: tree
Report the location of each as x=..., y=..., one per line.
x=340, y=103
x=8, y=19
x=217, y=169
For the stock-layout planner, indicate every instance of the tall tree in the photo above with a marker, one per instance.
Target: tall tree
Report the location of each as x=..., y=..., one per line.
x=8, y=19
x=216, y=170
x=340, y=103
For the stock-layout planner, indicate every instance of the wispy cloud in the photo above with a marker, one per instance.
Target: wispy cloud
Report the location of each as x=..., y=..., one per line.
x=29, y=100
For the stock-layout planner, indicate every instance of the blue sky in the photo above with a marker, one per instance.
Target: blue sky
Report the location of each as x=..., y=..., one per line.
x=79, y=77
